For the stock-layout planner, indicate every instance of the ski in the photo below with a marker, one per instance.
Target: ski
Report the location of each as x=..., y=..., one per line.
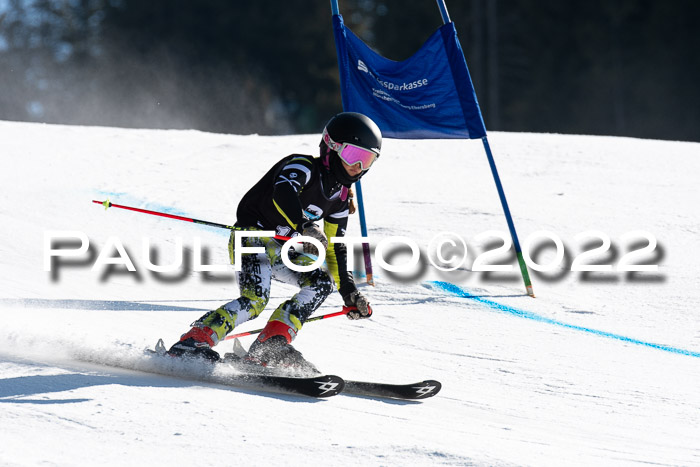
x=415, y=391
x=320, y=386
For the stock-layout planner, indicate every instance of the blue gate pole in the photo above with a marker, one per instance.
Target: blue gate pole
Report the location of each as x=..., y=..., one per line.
x=443, y=11
x=363, y=229
x=360, y=203
x=501, y=194
x=509, y=219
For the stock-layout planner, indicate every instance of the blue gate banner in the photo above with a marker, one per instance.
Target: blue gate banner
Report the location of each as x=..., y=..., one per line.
x=429, y=95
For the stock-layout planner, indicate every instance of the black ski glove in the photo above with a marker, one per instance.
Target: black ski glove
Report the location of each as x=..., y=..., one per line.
x=357, y=306
x=313, y=231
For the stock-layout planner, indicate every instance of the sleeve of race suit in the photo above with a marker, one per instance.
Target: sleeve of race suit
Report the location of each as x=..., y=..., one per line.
x=337, y=254
x=293, y=177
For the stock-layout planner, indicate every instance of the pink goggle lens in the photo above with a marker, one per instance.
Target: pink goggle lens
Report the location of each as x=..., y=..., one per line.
x=350, y=153
x=353, y=154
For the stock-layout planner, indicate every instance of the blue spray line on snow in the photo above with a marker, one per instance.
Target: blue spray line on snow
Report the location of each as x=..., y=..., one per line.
x=125, y=198
x=460, y=292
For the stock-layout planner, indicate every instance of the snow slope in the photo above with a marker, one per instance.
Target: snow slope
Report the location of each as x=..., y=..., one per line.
x=602, y=368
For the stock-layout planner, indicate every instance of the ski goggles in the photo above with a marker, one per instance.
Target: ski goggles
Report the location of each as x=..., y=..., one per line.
x=350, y=153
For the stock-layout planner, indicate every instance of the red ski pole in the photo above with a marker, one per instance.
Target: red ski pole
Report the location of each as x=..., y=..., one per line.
x=315, y=318
x=109, y=204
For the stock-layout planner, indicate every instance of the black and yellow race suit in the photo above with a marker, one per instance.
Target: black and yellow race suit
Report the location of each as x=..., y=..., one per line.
x=296, y=190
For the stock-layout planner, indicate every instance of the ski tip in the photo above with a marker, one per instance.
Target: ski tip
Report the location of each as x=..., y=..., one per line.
x=427, y=388
x=159, y=349
x=238, y=349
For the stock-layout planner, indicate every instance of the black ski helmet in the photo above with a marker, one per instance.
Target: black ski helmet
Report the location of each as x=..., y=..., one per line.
x=354, y=128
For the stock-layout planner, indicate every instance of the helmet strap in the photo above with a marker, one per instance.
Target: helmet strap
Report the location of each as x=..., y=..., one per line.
x=325, y=158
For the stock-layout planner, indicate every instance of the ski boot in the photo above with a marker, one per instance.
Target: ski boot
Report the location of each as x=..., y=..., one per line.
x=196, y=343
x=272, y=349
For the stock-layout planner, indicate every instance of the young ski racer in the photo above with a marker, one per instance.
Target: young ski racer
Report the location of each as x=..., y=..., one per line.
x=288, y=199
